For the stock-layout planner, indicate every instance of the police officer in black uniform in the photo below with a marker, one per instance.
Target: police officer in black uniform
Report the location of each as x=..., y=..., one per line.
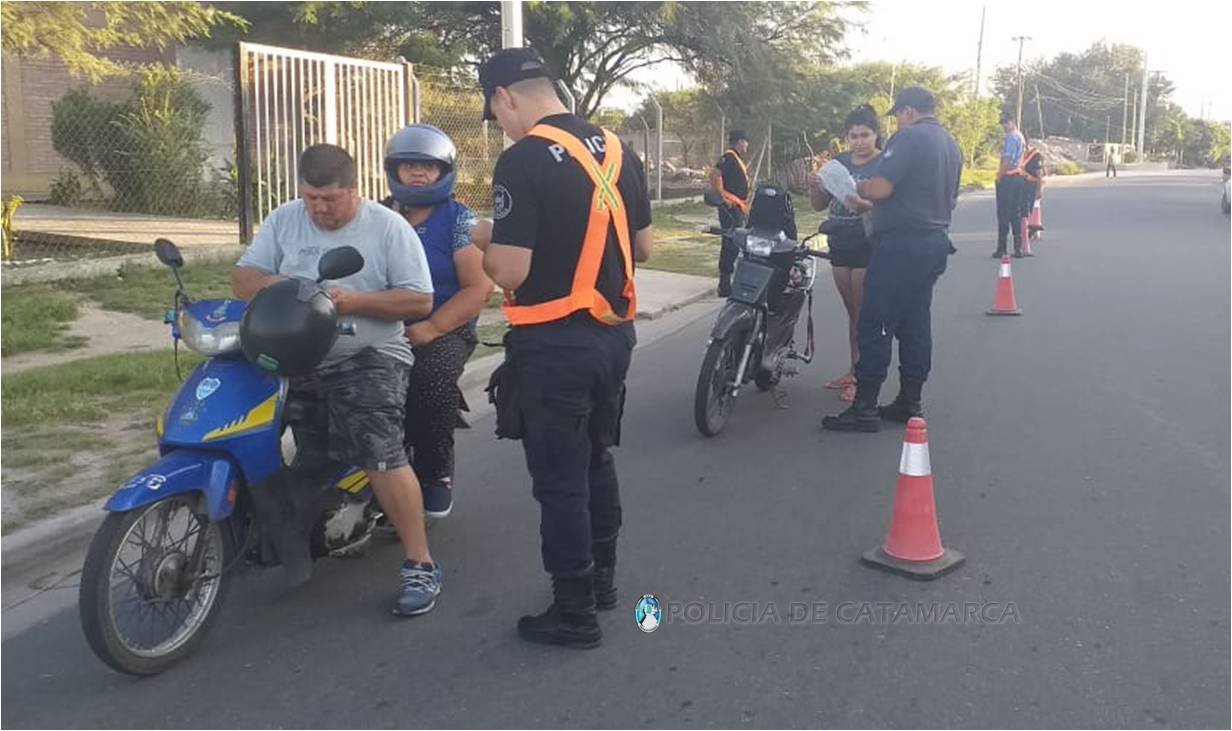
x=571, y=215
x=913, y=194
x=729, y=189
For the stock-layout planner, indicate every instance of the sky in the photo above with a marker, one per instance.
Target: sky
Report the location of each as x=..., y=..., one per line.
x=1187, y=40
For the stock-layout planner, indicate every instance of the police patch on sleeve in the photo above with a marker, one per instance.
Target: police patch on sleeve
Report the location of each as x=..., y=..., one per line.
x=502, y=202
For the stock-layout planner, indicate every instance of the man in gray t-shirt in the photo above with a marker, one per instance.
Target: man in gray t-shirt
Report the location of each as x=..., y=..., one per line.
x=355, y=400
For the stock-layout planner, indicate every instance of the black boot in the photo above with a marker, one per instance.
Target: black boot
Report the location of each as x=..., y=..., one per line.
x=906, y=405
x=725, y=285
x=605, y=573
x=571, y=620
x=861, y=416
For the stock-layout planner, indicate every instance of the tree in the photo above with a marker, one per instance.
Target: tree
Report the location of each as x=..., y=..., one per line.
x=974, y=125
x=80, y=33
x=447, y=35
x=1079, y=92
x=592, y=46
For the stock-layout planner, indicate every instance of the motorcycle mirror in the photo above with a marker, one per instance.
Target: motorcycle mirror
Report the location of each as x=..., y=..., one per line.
x=339, y=263
x=168, y=253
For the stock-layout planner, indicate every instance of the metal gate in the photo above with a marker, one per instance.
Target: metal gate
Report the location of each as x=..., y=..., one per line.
x=287, y=100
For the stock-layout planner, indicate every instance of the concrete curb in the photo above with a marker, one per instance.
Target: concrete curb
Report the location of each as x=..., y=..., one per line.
x=51, y=537
x=59, y=271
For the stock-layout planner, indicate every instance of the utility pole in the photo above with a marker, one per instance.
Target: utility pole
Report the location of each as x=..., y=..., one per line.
x=1125, y=109
x=1133, y=125
x=979, y=51
x=893, y=73
x=1107, y=128
x=511, y=34
x=1021, y=40
x=1039, y=108
x=511, y=23
x=1142, y=112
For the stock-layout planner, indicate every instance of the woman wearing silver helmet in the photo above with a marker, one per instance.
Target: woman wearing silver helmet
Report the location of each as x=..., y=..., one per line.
x=421, y=167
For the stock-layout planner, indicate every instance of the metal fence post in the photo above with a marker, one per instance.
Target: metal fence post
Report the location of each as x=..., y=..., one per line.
x=243, y=165
x=658, y=149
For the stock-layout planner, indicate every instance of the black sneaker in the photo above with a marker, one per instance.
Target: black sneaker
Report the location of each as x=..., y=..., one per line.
x=438, y=498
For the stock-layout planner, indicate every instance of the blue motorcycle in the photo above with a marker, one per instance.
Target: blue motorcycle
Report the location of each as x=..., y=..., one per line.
x=158, y=569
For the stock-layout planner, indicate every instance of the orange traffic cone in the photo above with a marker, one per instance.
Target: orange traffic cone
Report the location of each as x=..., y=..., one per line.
x=1035, y=224
x=913, y=547
x=1003, y=302
x=1026, y=237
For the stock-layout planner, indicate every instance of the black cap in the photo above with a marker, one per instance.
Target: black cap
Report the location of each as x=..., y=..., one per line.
x=916, y=97
x=508, y=67
x=1006, y=117
x=736, y=135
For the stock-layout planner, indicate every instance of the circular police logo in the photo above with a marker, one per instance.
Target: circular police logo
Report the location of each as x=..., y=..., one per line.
x=502, y=202
x=648, y=613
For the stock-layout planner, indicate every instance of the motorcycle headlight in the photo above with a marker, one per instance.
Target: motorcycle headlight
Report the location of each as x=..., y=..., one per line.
x=209, y=341
x=759, y=245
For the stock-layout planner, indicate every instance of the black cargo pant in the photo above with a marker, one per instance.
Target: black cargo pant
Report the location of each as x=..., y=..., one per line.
x=432, y=402
x=1009, y=210
x=729, y=218
x=570, y=377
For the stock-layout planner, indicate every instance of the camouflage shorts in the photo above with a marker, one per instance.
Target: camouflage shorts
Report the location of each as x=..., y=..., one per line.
x=352, y=412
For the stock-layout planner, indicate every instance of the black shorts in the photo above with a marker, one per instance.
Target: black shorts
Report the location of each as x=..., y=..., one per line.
x=852, y=258
x=352, y=412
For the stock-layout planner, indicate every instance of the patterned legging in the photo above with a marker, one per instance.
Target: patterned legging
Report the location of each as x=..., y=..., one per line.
x=432, y=402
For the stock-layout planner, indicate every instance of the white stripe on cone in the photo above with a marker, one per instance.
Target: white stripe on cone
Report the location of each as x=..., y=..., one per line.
x=1005, y=270
x=914, y=462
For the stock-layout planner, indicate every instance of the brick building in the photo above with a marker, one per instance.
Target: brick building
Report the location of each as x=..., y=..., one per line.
x=28, y=162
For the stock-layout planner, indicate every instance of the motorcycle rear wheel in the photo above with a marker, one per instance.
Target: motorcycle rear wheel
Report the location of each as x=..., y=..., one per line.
x=142, y=609
x=713, y=399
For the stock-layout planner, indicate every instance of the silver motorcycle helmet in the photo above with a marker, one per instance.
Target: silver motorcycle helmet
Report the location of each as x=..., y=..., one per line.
x=418, y=143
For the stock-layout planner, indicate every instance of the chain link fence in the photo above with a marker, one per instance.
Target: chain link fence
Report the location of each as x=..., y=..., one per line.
x=455, y=105
x=143, y=156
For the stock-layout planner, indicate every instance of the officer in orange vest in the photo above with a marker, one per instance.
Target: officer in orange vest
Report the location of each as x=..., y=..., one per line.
x=571, y=216
x=729, y=180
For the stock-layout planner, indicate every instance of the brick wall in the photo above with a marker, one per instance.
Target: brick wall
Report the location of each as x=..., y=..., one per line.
x=31, y=85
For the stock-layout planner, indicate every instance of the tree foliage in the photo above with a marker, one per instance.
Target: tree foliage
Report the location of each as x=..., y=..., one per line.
x=81, y=33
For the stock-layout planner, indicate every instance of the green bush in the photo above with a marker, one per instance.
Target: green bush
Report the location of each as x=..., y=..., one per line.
x=1067, y=167
x=1129, y=156
x=149, y=149
x=66, y=190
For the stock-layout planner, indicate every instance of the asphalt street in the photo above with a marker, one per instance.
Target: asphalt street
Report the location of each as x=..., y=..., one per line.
x=1081, y=462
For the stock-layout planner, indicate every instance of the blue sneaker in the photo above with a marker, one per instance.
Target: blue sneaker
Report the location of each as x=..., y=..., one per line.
x=421, y=583
x=438, y=498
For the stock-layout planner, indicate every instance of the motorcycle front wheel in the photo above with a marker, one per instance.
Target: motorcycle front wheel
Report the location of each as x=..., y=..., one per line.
x=715, y=398
x=143, y=607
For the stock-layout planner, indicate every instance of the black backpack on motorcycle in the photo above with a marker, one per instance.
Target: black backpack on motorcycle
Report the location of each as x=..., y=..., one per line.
x=772, y=209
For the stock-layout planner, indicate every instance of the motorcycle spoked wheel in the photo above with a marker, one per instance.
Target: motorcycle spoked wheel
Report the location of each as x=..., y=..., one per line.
x=142, y=608
x=714, y=400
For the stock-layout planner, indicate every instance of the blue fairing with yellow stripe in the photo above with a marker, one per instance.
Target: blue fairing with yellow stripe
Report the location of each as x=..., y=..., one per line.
x=228, y=405
x=223, y=430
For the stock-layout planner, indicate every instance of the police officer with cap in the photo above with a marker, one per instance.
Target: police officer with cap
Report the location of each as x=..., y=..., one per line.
x=571, y=216
x=913, y=195
x=729, y=189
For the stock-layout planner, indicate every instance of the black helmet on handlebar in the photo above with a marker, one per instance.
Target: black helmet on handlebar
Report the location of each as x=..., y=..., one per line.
x=289, y=327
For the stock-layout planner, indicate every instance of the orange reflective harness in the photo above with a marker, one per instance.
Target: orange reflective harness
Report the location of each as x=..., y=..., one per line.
x=607, y=208
x=731, y=197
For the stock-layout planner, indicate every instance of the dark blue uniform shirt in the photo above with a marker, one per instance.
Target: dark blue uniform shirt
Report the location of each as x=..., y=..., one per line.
x=924, y=164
